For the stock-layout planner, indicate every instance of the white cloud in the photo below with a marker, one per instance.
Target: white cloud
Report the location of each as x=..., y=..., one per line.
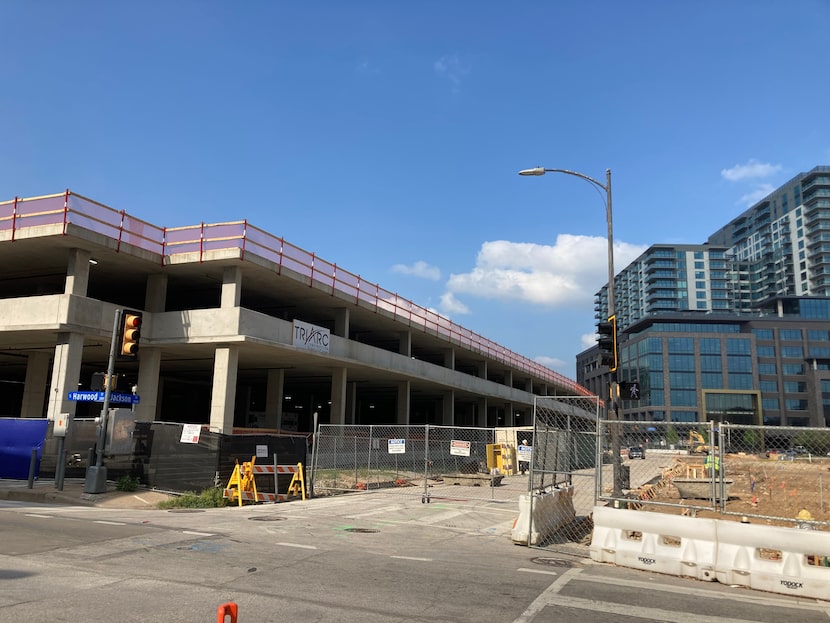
x=750, y=170
x=567, y=274
x=451, y=305
x=588, y=340
x=452, y=68
x=755, y=196
x=552, y=362
x=419, y=269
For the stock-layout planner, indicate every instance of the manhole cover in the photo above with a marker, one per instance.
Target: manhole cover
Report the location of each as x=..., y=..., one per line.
x=267, y=518
x=364, y=530
x=187, y=510
x=552, y=562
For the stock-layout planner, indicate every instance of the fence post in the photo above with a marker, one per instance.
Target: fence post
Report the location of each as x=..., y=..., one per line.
x=426, y=463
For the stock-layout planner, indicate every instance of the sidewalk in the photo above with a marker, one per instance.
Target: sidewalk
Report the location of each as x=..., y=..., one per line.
x=45, y=492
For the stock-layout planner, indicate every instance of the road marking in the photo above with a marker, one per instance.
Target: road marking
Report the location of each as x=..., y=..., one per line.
x=110, y=523
x=412, y=558
x=782, y=602
x=191, y=532
x=546, y=597
x=537, y=571
x=41, y=516
x=296, y=545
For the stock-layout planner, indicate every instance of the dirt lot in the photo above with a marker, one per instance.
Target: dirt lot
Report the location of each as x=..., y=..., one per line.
x=763, y=486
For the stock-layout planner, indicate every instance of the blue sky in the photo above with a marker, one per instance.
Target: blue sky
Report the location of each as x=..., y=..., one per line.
x=387, y=136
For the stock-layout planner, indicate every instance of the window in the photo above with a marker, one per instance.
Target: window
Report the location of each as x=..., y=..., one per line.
x=763, y=334
x=740, y=381
x=738, y=363
x=791, y=369
x=709, y=346
x=682, y=363
x=790, y=334
x=768, y=386
x=683, y=398
x=769, y=404
x=681, y=345
x=682, y=380
x=711, y=380
x=792, y=404
x=818, y=335
x=795, y=387
x=792, y=352
x=766, y=351
x=737, y=346
x=711, y=363
x=767, y=368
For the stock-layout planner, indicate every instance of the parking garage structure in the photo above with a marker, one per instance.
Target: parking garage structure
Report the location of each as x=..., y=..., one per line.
x=241, y=330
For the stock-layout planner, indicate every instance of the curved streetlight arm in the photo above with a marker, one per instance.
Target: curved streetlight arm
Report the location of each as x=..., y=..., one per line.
x=587, y=178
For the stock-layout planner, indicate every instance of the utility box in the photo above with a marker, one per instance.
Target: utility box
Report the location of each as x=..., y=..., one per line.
x=500, y=457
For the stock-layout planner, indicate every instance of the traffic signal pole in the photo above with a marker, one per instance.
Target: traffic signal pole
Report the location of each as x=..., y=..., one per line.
x=96, y=475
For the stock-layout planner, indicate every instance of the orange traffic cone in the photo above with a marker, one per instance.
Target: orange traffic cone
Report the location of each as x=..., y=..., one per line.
x=229, y=609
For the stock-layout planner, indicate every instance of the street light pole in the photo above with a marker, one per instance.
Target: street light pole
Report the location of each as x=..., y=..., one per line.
x=612, y=407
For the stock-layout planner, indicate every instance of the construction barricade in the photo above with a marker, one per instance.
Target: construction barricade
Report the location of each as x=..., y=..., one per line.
x=242, y=487
x=784, y=560
x=542, y=514
x=676, y=545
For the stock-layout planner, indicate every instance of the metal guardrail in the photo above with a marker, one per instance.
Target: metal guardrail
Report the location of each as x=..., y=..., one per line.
x=199, y=240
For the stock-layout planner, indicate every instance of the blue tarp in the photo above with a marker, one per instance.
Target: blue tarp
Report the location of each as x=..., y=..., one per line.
x=17, y=438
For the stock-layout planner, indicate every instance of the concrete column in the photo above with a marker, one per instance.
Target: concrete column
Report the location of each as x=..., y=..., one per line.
x=66, y=372
x=338, y=395
x=449, y=358
x=482, y=369
x=508, y=378
x=403, y=403
x=34, y=390
x=341, y=322
x=351, y=402
x=231, y=286
x=274, y=393
x=481, y=412
x=529, y=385
x=77, y=273
x=448, y=408
x=223, y=396
x=155, y=298
x=405, y=343
x=148, y=383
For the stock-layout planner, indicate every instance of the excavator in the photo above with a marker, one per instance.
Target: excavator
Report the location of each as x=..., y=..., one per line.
x=698, y=444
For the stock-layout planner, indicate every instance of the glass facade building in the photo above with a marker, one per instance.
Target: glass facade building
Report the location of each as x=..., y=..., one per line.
x=736, y=328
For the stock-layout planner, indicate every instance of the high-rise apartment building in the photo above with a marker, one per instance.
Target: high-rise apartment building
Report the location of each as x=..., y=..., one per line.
x=722, y=316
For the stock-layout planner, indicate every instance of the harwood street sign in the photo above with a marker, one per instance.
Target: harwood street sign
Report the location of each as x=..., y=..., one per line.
x=115, y=398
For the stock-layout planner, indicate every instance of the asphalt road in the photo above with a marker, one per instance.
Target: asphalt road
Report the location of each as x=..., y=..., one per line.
x=369, y=558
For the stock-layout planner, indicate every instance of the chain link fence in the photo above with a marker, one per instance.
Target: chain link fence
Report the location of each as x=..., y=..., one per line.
x=426, y=461
x=775, y=475
x=565, y=465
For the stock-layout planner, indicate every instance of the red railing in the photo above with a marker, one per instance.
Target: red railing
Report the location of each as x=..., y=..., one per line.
x=198, y=240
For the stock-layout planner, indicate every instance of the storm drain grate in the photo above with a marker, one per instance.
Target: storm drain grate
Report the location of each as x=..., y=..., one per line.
x=362, y=530
x=267, y=518
x=187, y=510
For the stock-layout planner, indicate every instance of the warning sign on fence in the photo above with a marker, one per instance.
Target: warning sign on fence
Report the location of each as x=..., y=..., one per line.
x=397, y=446
x=460, y=448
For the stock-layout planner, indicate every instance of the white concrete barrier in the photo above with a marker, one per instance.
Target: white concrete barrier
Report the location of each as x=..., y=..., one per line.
x=775, y=559
x=552, y=509
x=671, y=544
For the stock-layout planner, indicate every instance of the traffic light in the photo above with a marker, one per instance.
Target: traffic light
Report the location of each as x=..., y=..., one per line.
x=607, y=341
x=129, y=335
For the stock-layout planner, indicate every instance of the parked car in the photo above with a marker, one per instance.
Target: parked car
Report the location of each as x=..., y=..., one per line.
x=636, y=453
